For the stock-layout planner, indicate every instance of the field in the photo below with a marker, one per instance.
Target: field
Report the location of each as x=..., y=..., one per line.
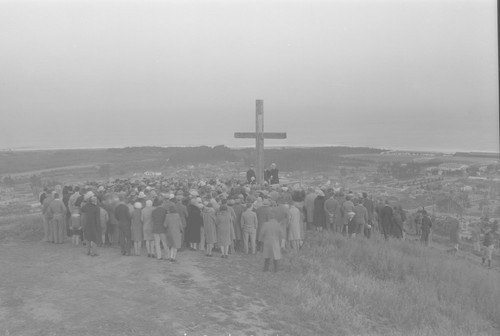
x=333, y=286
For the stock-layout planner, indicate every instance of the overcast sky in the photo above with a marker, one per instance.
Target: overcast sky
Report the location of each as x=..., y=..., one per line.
x=396, y=74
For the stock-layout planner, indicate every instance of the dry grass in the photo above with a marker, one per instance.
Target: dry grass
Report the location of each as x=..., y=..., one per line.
x=363, y=286
x=26, y=227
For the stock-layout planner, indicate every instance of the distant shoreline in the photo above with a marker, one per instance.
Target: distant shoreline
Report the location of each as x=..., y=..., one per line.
x=433, y=151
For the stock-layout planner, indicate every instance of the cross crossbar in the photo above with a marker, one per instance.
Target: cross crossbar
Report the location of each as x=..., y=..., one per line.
x=259, y=135
x=265, y=135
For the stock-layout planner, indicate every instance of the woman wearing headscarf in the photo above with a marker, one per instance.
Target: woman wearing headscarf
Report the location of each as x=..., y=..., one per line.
x=137, y=228
x=194, y=221
x=147, y=227
x=92, y=224
x=224, y=223
x=173, y=225
x=209, y=223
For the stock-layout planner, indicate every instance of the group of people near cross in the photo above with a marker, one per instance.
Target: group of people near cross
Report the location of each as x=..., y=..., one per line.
x=167, y=214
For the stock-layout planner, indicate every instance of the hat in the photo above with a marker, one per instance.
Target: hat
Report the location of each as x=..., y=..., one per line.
x=170, y=196
x=101, y=188
x=141, y=195
x=138, y=205
x=88, y=195
x=351, y=214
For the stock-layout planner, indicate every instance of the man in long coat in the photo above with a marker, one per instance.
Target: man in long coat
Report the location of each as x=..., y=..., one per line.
x=57, y=211
x=271, y=235
x=122, y=215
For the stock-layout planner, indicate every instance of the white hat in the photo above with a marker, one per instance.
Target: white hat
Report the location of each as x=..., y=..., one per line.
x=142, y=195
x=138, y=205
x=101, y=188
x=170, y=196
x=88, y=195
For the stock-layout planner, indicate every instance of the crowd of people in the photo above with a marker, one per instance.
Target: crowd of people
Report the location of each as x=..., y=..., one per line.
x=167, y=214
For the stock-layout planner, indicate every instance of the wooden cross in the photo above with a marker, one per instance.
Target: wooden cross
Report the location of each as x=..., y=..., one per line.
x=259, y=137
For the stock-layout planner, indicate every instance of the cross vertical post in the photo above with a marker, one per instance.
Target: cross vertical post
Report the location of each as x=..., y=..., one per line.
x=259, y=141
x=259, y=135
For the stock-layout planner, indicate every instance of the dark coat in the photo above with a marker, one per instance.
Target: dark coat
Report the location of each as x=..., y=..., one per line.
x=386, y=218
x=194, y=222
x=319, y=217
x=122, y=215
x=92, y=228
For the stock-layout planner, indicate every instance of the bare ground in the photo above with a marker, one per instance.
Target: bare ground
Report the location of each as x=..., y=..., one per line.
x=49, y=289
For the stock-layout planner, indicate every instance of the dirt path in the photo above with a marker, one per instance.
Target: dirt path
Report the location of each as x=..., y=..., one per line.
x=48, y=289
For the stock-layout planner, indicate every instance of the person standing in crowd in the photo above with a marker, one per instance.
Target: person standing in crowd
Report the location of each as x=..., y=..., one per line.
x=271, y=235
x=238, y=210
x=426, y=228
x=347, y=206
x=147, y=227
x=158, y=216
x=47, y=218
x=67, y=190
x=361, y=217
x=122, y=215
x=57, y=211
x=319, y=217
x=251, y=177
x=309, y=207
x=263, y=213
x=104, y=222
x=274, y=174
x=181, y=210
x=332, y=212
x=92, y=225
x=173, y=225
x=387, y=217
x=397, y=223
x=224, y=222
x=249, y=224
x=370, y=209
x=281, y=214
x=488, y=247
x=294, y=226
x=352, y=224
x=194, y=221
x=209, y=224
x=136, y=228
x=455, y=234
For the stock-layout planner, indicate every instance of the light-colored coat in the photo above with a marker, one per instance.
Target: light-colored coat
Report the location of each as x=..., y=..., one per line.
x=271, y=234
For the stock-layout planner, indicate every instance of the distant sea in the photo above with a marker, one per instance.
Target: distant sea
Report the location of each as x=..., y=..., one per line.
x=414, y=149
